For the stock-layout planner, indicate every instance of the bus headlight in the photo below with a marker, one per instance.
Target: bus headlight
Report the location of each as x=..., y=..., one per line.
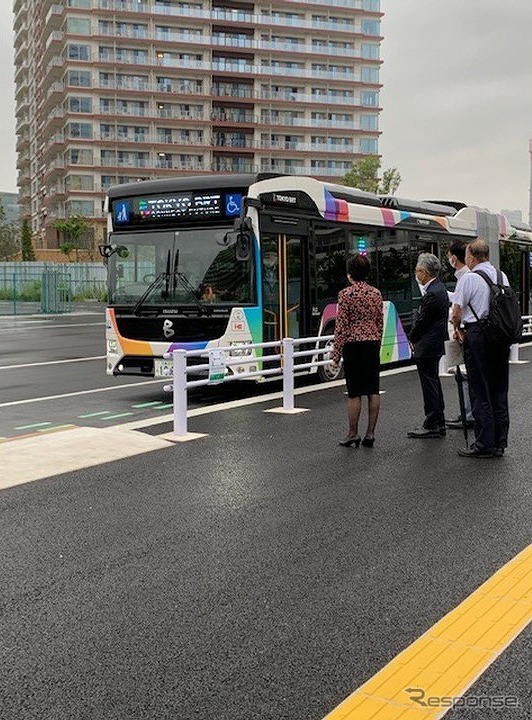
x=112, y=347
x=237, y=351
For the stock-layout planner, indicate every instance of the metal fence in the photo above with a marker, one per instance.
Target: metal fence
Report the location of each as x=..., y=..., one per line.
x=37, y=287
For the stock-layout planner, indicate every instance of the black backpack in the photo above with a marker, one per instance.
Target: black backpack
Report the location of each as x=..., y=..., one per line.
x=503, y=325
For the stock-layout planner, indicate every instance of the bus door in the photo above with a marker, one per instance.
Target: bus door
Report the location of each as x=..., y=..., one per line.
x=285, y=294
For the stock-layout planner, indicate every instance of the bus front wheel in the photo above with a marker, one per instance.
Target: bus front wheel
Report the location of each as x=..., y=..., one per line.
x=327, y=373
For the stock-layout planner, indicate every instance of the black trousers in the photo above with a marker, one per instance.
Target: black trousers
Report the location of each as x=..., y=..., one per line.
x=433, y=403
x=488, y=373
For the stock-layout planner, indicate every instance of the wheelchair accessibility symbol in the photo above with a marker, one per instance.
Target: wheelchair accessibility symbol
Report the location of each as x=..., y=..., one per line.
x=233, y=204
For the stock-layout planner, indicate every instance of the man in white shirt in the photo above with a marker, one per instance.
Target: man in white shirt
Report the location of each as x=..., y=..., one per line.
x=456, y=258
x=487, y=364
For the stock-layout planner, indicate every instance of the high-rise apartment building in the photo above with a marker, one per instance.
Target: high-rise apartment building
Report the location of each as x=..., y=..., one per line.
x=109, y=91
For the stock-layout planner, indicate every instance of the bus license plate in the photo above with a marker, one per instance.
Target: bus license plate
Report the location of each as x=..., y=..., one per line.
x=162, y=367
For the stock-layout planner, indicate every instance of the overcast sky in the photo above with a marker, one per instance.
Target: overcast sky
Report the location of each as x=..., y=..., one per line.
x=457, y=100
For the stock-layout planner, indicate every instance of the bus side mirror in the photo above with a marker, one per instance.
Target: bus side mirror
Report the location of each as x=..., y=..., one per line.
x=243, y=246
x=107, y=250
x=241, y=238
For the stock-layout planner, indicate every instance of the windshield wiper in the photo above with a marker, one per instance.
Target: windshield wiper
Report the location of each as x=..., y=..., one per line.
x=185, y=282
x=142, y=299
x=167, y=277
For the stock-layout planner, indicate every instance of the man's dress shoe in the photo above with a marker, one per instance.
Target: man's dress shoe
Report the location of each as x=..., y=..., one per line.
x=427, y=433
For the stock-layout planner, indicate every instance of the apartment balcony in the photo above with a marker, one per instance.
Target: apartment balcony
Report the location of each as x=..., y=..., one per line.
x=173, y=114
x=227, y=90
x=23, y=177
x=54, y=16
x=21, y=74
x=179, y=165
x=54, y=144
x=282, y=146
x=56, y=167
x=232, y=116
x=285, y=168
x=53, y=46
x=56, y=68
x=55, y=118
x=20, y=11
x=56, y=89
x=229, y=165
x=23, y=107
x=23, y=121
x=23, y=141
x=304, y=122
x=231, y=143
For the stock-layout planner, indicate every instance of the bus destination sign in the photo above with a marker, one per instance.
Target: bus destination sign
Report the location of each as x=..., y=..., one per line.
x=158, y=209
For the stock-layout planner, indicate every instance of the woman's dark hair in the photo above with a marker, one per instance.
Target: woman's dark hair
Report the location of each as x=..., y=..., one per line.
x=358, y=266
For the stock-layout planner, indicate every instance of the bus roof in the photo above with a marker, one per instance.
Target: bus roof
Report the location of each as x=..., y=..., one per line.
x=186, y=182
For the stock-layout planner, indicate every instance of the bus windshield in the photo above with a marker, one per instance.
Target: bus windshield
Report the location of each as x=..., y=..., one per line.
x=197, y=264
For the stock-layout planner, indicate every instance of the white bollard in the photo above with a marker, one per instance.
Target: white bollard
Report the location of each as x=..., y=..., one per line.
x=443, y=366
x=514, y=355
x=288, y=374
x=180, y=392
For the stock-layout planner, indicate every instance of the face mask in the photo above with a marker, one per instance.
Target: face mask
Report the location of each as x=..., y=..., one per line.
x=422, y=288
x=452, y=263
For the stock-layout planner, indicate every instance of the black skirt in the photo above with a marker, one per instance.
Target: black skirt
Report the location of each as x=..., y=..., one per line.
x=362, y=367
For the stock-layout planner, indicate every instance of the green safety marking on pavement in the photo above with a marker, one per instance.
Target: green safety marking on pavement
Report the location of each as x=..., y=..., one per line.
x=147, y=404
x=113, y=417
x=55, y=427
x=35, y=425
x=94, y=414
x=165, y=406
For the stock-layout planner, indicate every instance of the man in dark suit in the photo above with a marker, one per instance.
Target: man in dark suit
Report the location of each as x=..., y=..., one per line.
x=427, y=338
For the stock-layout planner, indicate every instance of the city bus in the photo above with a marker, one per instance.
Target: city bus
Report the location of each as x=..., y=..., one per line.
x=212, y=261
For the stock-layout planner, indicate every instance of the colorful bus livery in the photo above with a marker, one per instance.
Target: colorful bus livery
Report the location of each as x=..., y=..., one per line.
x=209, y=261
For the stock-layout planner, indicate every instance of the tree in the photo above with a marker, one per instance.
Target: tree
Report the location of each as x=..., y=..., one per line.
x=28, y=253
x=9, y=237
x=74, y=229
x=364, y=176
x=391, y=179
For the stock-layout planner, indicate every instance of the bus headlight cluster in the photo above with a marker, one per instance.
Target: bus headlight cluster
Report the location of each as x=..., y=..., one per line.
x=237, y=351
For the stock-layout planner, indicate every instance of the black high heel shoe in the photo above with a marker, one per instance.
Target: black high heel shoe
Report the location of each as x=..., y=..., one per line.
x=353, y=440
x=368, y=441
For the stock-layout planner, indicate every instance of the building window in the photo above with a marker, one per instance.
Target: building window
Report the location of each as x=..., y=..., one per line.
x=369, y=98
x=368, y=145
x=78, y=52
x=79, y=182
x=79, y=78
x=80, y=207
x=80, y=104
x=371, y=27
x=369, y=75
x=78, y=26
x=79, y=156
x=80, y=130
x=369, y=122
x=369, y=51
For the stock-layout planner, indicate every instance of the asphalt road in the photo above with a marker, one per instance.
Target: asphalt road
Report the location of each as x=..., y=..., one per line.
x=260, y=573
x=52, y=373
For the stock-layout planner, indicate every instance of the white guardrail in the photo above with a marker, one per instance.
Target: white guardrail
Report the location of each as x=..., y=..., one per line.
x=221, y=359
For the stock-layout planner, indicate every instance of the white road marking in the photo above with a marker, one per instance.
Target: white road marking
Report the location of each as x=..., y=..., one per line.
x=51, y=362
x=25, y=323
x=80, y=392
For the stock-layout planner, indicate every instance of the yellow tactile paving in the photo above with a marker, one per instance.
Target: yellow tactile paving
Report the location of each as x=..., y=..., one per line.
x=446, y=660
